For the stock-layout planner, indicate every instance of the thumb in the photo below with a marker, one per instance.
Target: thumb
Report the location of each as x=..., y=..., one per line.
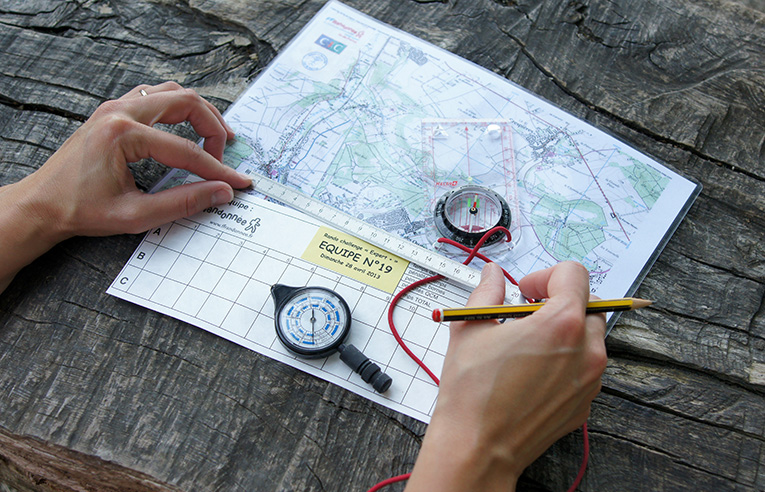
x=145, y=211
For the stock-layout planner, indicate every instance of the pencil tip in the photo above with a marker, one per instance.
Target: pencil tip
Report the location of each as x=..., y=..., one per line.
x=640, y=303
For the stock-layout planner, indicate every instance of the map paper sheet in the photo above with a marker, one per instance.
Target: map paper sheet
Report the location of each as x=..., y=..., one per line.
x=343, y=114
x=339, y=114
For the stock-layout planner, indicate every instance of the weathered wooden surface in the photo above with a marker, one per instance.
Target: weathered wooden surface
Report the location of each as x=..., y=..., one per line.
x=683, y=403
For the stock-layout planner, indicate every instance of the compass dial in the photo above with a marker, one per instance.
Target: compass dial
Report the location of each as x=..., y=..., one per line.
x=467, y=213
x=310, y=321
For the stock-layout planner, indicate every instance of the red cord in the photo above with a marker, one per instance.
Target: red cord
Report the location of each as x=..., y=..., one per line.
x=583, y=466
x=472, y=253
x=393, y=329
x=476, y=255
x=389, y=481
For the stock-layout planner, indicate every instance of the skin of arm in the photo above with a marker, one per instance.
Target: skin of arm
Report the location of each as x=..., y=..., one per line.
x=86, y=187
x=510, y=390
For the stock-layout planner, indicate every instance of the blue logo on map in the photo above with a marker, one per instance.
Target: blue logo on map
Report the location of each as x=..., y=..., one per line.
x=314, y=61
x=330, y=44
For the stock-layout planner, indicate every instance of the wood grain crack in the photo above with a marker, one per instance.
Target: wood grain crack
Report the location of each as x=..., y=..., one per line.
x=683, y=415
x=673, y=457
x=632, y=125
x=20, y=106
x=27, y=464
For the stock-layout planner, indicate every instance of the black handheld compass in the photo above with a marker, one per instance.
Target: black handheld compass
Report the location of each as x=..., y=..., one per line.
x=467, y=213
x=314, y=322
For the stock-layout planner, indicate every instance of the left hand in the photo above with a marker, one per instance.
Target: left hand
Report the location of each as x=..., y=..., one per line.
x=86, y=187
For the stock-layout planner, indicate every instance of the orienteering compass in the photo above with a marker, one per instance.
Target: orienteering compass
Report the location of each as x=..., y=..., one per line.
x=467, y=213
x=314, y=322
x=310, y=321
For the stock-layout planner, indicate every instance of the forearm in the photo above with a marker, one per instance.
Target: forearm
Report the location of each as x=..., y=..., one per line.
x=453, y=458
x=28, y=228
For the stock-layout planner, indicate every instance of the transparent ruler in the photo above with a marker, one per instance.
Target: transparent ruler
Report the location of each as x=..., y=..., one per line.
x=392, y=243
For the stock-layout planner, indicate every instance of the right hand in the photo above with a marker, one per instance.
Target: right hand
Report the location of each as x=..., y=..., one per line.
x=510, y=390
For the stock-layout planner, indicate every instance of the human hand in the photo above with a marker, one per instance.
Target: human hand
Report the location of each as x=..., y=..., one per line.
x=510, y=390
x=86, y=187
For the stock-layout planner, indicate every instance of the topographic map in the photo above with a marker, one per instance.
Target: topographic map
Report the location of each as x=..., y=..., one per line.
x=348, y=113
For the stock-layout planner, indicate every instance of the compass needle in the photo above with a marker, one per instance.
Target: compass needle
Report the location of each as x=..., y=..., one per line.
x=467, y=213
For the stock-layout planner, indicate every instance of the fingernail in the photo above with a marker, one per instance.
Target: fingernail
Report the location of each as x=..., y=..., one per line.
x=246, y=177
x=222, y=196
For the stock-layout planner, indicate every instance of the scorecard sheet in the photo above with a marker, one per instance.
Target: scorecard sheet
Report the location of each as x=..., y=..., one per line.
x=380, y=124
x=215, y=271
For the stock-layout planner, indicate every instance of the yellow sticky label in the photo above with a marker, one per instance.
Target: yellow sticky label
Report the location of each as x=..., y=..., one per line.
x=356, y=259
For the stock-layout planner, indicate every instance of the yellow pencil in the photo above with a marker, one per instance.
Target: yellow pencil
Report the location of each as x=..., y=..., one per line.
x=519, y=310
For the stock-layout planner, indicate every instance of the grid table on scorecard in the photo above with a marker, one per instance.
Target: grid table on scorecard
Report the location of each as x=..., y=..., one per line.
x=221, y=282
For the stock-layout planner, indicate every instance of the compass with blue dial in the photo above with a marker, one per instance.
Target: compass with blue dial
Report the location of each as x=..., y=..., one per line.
x=310, y=321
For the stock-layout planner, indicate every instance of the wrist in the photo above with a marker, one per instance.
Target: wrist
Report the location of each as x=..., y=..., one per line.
x=30, y=225
x=37, y=211
x=457, y=457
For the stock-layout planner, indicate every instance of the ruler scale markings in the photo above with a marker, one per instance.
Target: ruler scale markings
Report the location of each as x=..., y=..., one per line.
x=392, y=243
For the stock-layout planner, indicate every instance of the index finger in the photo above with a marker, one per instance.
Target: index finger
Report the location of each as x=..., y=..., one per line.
x=145, y=90
x=174, y=151
x=176, y=106
x=491, y=289
x=567, y=289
